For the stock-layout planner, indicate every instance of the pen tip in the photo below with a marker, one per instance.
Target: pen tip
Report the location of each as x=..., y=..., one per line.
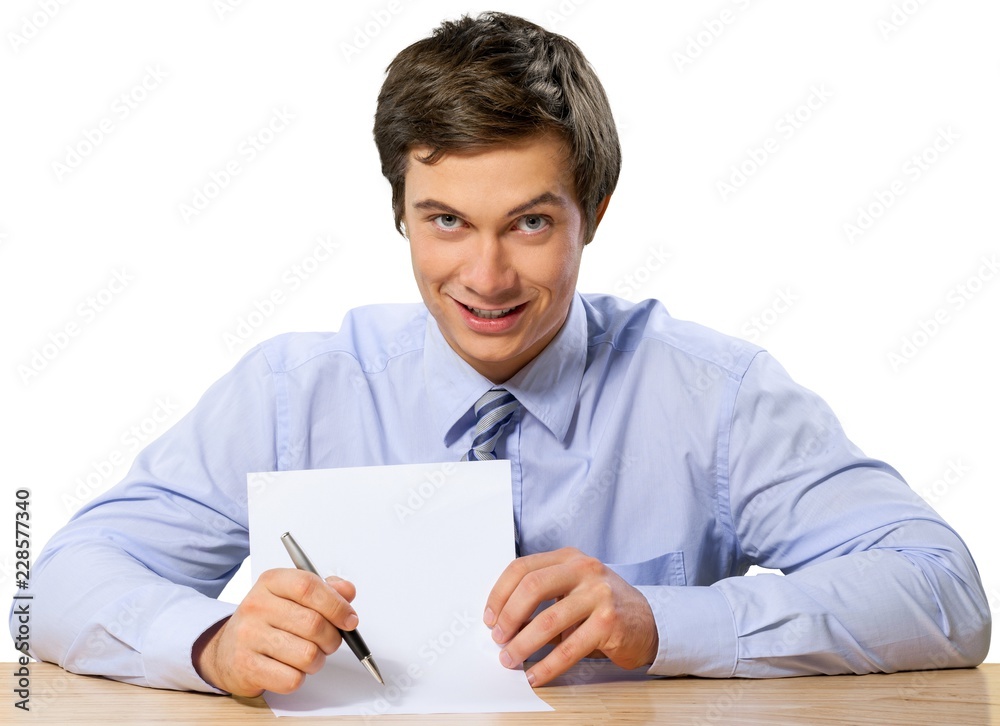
x=373, y=669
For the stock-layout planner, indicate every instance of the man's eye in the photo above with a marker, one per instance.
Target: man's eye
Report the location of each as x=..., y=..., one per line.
x=532, y=223
x=447, y=221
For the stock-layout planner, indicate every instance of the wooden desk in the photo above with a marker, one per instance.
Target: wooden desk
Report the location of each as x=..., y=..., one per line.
x=591, y=694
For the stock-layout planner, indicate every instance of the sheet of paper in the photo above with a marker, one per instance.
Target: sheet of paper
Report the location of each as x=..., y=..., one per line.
x=424, y=545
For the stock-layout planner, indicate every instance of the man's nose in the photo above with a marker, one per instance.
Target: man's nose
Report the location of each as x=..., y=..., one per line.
x=488, y=272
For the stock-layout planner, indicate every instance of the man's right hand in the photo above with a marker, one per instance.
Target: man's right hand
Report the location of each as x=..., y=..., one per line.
x=282, y=631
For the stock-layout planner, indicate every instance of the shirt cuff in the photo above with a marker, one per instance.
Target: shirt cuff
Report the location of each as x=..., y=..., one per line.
x=166, y=650
x=697, y=631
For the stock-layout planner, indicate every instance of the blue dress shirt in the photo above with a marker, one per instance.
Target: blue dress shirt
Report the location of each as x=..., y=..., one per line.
x=676, y=455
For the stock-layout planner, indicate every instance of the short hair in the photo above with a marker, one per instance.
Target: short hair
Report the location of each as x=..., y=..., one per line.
x=478, y=82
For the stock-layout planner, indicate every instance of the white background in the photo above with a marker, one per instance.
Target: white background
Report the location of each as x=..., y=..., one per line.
x=694, y=96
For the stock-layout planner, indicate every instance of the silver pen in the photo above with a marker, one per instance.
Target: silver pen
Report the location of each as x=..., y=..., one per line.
x=351, y=637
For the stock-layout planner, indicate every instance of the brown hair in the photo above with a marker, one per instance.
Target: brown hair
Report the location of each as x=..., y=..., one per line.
x=496, y=78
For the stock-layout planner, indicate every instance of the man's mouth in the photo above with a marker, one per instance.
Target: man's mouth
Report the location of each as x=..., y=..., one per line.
x=491, y=314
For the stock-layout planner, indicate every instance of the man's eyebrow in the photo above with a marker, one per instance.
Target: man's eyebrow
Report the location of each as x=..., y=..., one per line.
x=543, y=198
x=438, y=206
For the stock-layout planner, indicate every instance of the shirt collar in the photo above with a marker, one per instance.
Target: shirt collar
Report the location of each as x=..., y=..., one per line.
x=548, y=387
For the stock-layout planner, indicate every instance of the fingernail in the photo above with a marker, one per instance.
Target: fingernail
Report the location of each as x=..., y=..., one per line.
x=488, y=616
x=351, y=622
x=531, y=678
x=506, y=659
x=497, y=635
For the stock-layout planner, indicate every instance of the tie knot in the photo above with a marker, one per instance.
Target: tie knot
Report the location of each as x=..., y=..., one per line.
x=494, y=410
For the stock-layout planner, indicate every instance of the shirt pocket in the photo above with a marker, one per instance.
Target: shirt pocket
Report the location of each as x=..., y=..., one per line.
x=666, y=569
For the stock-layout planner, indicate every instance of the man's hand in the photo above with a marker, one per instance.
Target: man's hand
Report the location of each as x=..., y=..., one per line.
x=595, y=610
x=283, y=630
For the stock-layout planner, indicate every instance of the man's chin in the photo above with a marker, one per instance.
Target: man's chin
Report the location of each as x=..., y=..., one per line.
x=493, y=361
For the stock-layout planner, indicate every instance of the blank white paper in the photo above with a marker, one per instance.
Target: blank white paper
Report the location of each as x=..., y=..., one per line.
x=424, y=544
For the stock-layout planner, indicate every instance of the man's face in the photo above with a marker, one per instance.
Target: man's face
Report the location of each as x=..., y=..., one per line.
x=496, y=237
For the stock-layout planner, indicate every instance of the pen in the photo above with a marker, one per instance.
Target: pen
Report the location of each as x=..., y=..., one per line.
x=351, y=637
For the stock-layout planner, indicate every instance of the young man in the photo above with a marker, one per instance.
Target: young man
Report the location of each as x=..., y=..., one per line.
x=653, y=460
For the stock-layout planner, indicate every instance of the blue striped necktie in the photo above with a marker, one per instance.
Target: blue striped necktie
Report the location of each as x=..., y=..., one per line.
x=494, y=411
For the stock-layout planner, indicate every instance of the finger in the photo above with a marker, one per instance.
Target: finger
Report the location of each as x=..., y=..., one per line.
x=281, y=629
x=562, y=618
x=565, y=655
x=312, y=592
x=568, y=632
x=263, y=673
x=284, y=647
x=512, y=576
x=534, y=588
x=304, y=623
x=344, y=587
x=245, y=667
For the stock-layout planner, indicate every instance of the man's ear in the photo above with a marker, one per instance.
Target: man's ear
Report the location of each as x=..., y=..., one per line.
x=601, y=208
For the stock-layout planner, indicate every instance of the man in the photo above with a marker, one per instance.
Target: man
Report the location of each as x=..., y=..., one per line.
x=653, y=461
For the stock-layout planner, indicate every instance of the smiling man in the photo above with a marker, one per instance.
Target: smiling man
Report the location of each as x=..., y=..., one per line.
x=496, y=265
x=653, y=461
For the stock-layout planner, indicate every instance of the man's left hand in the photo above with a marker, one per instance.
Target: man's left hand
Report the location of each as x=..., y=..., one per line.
x=595, y=610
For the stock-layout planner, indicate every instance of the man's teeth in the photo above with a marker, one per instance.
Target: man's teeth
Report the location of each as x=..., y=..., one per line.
x=489, y=313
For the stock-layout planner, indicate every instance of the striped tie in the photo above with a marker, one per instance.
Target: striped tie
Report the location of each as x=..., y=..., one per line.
x=494, y=410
